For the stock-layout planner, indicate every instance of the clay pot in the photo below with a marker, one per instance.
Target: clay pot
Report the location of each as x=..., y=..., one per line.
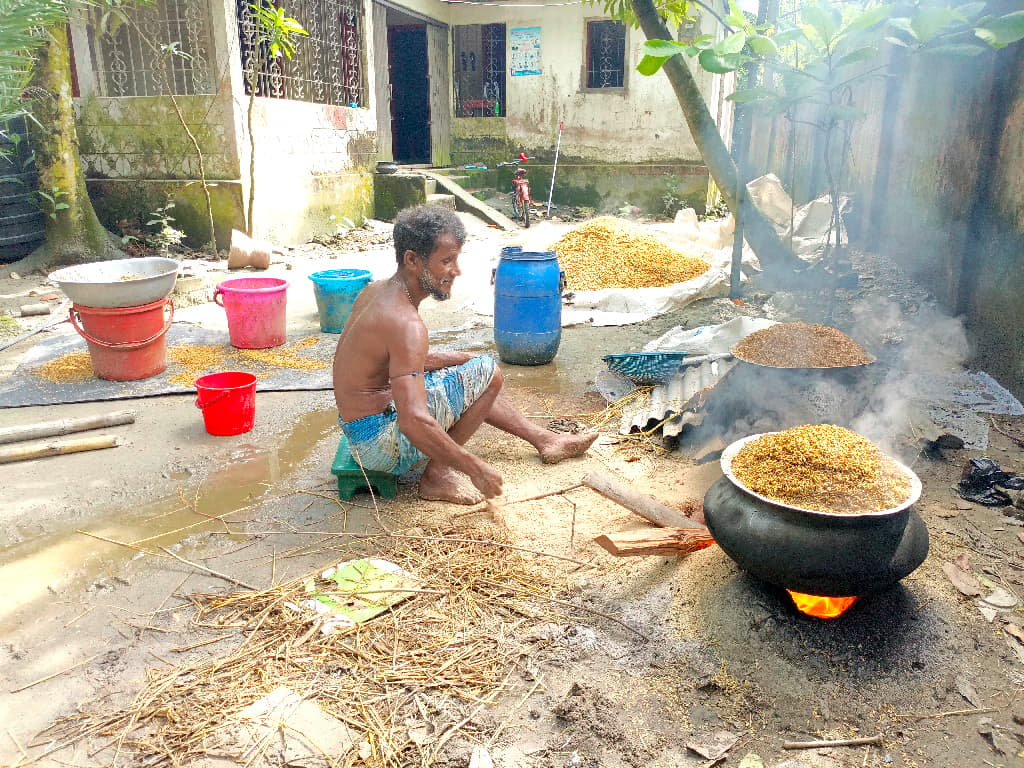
x=826, y=555
x=247, y=252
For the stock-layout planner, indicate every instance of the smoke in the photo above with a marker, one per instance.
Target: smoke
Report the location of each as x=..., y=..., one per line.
x=919, y=348
x=918, y=351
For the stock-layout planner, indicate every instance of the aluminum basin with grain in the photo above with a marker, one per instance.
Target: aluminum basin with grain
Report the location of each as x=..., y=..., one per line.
x=118, y=283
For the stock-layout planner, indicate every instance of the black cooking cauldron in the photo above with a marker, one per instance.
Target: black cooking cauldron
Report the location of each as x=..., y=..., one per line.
x=830, y=555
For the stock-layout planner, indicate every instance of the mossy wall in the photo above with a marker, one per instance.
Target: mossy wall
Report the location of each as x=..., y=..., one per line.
x=605, y=187
x=130, y=203
x=393, y=192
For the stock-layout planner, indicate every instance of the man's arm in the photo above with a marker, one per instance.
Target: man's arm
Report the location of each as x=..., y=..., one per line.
x=438, y=358
x=409, y=353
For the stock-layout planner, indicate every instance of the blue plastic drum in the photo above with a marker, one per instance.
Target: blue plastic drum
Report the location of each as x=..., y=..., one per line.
x=527, y=306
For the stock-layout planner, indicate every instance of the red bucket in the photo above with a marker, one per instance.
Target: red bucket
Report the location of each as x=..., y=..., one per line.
x=125, y=343
x=228, y=402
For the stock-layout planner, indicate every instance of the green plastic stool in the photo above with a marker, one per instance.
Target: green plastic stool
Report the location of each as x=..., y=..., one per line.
x=352, y=477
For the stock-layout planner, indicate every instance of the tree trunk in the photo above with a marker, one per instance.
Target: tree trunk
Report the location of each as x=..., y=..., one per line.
x=73, y=234
x=759, y=232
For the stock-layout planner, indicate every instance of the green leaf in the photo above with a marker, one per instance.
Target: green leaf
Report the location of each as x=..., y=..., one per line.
x=927, y=23
x=61, y=206
x=650, y=65
x=970, y=10
x=902, y=24
x=717, y=64
x=1003, y=30
x=662, y=48
x=868, y=19
x=820, y=20
x=962, y=50
x=790, y=35
x=855, y=57
x=762, y=46
x=752, y=95
x=732, y=44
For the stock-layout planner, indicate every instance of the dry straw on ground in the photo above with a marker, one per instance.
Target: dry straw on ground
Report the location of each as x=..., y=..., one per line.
x=607, y=252
x=436, y=659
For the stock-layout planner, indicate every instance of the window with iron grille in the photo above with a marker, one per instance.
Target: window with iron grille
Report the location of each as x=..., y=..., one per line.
x=130, y=53
x=606, y=54
x=479, y=70
x=328, y=66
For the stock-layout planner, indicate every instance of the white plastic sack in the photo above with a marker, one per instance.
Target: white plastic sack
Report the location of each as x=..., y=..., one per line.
x=708, y=339
x=625, y=306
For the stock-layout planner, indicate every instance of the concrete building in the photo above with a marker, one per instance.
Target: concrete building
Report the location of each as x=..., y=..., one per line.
x=417, y=81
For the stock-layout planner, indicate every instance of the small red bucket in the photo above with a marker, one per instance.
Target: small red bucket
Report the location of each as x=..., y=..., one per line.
x=228, y=402
x=125, y=343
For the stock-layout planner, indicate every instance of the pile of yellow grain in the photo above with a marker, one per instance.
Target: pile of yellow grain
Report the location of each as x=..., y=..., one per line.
x=822, y=467
x=196, y=359
x=74, y=366
x=286, y=357
x=800, y=345
x=607, y=252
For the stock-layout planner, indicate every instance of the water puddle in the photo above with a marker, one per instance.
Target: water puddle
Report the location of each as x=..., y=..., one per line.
x=95, y=546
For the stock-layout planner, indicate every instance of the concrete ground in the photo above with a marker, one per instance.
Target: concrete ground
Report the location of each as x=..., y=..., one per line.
x=100, y=551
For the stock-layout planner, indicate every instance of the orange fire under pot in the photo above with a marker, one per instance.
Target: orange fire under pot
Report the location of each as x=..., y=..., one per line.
x=824, y=561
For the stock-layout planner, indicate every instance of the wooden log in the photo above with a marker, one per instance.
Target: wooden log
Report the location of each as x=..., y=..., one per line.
x=656, y=541
x=647, y=507
x=65, y=426
x=56, y=448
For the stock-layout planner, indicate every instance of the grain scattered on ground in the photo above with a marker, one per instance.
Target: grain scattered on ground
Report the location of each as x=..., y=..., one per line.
x=286, y=356
x=607, y=252
x=824, y=468
x=196, y=359
x=74, y=366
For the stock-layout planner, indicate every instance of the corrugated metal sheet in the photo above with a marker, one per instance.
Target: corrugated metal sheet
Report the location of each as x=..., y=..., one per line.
x=683, y=395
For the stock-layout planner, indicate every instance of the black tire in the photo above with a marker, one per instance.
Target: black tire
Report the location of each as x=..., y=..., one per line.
x=526, y=214
x=516, y=209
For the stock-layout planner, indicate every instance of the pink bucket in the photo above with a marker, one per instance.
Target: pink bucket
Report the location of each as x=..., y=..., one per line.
x=256, y=310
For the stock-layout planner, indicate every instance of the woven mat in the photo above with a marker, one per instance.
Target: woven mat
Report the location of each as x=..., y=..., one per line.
x=302, y=363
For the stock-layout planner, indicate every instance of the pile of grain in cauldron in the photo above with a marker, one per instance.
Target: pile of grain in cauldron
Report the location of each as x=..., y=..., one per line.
x=607, y=252
x=800, y=345
x=822, y=467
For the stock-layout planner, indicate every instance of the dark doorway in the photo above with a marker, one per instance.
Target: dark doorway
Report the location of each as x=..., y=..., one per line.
x=410, y=99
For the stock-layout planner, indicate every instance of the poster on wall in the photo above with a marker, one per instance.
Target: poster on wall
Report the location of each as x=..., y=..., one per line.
x=525, y=45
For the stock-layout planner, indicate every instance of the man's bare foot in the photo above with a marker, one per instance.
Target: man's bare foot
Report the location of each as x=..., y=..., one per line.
x=565, y=446
x=448, y=485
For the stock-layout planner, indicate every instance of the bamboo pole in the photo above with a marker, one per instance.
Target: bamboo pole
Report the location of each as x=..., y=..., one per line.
x=65, y=426
x=56, y=448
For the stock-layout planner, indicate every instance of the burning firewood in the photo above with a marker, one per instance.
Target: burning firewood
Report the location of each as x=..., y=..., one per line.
x=656, y=541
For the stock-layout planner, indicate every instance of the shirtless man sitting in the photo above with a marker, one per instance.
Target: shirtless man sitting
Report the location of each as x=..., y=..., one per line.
x=401, y=404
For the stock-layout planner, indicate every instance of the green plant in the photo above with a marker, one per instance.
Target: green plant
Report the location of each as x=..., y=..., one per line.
x=165, y=236
x=51, y=201
x=817, y=57
x=672, y=199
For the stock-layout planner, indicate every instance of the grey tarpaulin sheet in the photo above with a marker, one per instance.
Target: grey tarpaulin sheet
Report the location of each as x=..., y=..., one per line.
x=25, y=387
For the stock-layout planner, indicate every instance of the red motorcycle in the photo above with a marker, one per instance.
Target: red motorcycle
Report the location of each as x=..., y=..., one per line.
x=521, y=200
